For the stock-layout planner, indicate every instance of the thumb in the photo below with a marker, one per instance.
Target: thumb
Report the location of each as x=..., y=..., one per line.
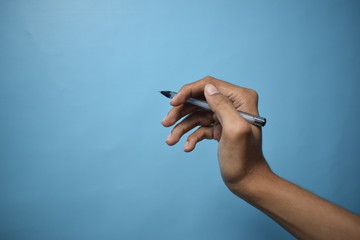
x=221, y=106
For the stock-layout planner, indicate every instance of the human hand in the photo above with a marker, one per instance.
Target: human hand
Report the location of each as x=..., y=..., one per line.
x=239, y=150
x=243, y=167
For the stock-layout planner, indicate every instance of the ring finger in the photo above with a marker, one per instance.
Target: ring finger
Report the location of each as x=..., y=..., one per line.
x=198, y=118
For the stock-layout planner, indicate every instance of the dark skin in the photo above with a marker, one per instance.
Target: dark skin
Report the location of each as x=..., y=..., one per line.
x=242, y=164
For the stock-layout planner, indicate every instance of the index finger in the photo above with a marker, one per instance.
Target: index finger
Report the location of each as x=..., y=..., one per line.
x=192, y=90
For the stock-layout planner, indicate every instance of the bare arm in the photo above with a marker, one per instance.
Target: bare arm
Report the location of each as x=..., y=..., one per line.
x=243, y=166
x=300, y=212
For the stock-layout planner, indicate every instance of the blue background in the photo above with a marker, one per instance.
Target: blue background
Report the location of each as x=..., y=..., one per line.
x=83, y=154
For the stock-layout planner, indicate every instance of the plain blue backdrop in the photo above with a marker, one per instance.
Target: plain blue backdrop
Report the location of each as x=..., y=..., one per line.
x=83, y=154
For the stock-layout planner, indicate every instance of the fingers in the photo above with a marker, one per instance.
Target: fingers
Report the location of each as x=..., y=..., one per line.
x=187, y=91
x=177, y=113
x=194, y=90
x=197, y=136
x=221, y=105
x=234, y=126
x=200, y=118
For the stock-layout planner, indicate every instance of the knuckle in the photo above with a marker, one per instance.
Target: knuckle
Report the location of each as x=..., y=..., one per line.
x=190, y=137
x=178, y=130
x=201, y=118
x=194, y=136
x=185, y=87
x=182, y=130
x=195, y=120
x=251, y=98
x=207, y=79
x=253, y=94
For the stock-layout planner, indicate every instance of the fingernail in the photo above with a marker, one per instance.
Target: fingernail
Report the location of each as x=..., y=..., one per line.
x=174, y=98
x=168, y=137
x=164, y=119
x=187, y=144
x=210, y=89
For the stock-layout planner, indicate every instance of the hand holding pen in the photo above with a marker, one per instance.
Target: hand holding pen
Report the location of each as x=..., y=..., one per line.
x=239, y=141
x=243, y=167
x=250, y=118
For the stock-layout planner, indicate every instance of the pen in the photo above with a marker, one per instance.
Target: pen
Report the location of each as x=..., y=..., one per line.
x=250, y=118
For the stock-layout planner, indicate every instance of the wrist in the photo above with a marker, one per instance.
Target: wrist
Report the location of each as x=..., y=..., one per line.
x=258, y=179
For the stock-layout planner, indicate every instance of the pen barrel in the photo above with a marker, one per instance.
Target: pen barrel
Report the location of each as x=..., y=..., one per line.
x=250, y=118
x=253, y=119
x=199, y=103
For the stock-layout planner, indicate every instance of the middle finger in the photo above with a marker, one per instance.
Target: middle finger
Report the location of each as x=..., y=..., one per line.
x=198, y=118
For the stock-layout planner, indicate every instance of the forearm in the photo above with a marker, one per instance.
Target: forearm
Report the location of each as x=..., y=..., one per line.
x=300, y=212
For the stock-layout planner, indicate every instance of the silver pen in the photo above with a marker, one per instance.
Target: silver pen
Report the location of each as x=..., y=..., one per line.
x=250, y=118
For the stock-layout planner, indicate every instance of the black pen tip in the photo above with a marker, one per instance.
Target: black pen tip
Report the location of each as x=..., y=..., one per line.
x=166, y=93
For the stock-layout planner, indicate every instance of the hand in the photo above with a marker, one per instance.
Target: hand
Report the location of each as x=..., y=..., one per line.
x=239, y=150
x=243, y=167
